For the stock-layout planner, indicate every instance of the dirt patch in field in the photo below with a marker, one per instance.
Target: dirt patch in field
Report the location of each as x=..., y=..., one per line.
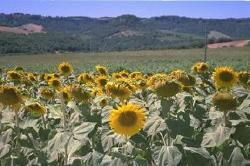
x=239, y=44
x=23, y=29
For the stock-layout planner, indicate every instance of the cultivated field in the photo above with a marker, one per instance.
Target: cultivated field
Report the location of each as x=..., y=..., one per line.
x=147, y=61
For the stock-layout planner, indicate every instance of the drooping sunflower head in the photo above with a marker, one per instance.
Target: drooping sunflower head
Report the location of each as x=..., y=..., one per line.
x=80, y=94
x=184, y=78
x=32, y=77
x=97, y=91
x=167, y=88
x=118, y=89
x=127, y=120
x=66, y=94
x=244, y=78
x=65, y=68
x=224, y=101
x=224, y=77
x=55, y=83
x=102, y=70
x=116, y=75
x=200, y=67
x=36, y=109
x=124, y=74
x=135, y=74
x=10, y=96
x=101, y=81
x=85, y=78
x=14, y=76
x=47, y=93
x=154, y=79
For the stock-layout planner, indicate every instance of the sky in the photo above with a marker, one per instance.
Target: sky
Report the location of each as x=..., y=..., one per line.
x=101, y=8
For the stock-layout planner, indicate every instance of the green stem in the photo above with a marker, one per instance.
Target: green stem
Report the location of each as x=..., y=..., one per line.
x=63, y=108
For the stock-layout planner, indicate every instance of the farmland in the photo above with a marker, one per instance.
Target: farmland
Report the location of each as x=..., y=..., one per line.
x=143, y=108
x=147, y=61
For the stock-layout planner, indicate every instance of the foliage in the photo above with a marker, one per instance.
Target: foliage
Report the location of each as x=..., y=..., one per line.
x=185, y=129
x=126, y=32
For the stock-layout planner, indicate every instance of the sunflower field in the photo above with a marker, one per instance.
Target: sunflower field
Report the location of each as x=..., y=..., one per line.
x=201, y=117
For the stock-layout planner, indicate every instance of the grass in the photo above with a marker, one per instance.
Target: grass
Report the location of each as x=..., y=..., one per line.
x=147, y=61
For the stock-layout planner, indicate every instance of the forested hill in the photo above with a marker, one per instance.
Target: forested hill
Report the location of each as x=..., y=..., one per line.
x=24, y=33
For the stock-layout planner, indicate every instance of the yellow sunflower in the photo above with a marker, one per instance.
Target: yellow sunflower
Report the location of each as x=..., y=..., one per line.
x=224, y=77
x=10, y=97
x=224, y=101
x=102, y=70
x=117, y=89
x=101, y=81
x=244, y=78
x=66, y=93
x=65, y=68
x=127, y=120
x=36, y=109
x=47, y=93
x=80, y=94
x=85, y=78
x=55, y=83
x=167, y=88
x=14, y=76
x=200, y=67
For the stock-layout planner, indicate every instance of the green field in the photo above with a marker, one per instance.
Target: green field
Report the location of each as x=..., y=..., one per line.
x=147, y=61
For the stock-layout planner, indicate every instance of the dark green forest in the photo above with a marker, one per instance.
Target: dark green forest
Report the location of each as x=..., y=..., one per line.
x=126, y=32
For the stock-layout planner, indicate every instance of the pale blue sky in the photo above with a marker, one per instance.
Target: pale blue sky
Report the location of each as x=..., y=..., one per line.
x=100, y=8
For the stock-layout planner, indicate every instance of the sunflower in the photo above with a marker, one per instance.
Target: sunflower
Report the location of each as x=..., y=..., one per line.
x=97, y=91
x=10, y=96
x=154, y=79
x=118, y=89
x=135, y=74
x=55, y=83
x=124, y=74
x=167, y=88
x=103, y=102
x=14, y=76
x=200, y=67
x=244, y=78
x=65, y=68
x=80, y=94
x=47, y=93
x=184, y=78
x=36, y=109
x=102, y=70
x=224, y=77
x=101, y=81
x=66, y=93
x=127, y=120
x=85, y=78
x=32, y=77
x=224, y=101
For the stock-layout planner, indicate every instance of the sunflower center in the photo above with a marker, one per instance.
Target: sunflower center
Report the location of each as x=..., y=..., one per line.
x=65, y=69
x=226, y=76
x=127, y=118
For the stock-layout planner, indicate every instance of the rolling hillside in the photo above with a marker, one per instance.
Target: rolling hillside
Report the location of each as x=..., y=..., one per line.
x=126, y=32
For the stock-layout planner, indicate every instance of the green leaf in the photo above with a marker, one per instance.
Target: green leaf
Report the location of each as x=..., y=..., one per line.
x=155, y=125
x=237, y=158
x=55, y=111
x=81, y=132
x=198, y=156
x=217, y=136
x=4, y=150
x=168, y=155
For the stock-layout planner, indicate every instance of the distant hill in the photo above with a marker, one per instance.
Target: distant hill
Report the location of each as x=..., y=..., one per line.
x=126, y=32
